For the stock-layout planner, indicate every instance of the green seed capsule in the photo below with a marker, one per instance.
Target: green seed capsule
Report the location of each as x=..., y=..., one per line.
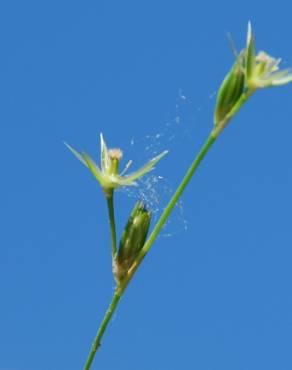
x=133, y=239
x=230, y=91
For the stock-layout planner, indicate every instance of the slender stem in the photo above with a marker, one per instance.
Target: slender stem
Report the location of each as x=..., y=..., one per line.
x=111, y=213
x=173, y=201
x=166, y=213
x=96, y=343
x=193, y=167
x=186, y=179
x=122, y=286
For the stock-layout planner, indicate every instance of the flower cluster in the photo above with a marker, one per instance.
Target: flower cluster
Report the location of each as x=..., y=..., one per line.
x=262, y=70
x=249, y=73
x=108, y=174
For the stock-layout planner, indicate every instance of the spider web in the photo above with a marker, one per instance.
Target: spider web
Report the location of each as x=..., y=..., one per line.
x=179, y=130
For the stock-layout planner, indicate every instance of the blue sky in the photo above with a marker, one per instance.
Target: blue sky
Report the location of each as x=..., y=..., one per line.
x=215, y=290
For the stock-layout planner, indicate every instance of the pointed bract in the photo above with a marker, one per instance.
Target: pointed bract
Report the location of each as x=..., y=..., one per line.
x=143, y=170
x=229, y=92
x=250, y=51
x=94, y=169
x=104, y=157
x=77, y=155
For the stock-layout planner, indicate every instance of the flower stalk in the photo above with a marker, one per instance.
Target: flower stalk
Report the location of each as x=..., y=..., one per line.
x=112, y=223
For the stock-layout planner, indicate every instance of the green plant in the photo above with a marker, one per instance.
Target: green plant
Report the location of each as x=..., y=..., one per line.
x=249, y=73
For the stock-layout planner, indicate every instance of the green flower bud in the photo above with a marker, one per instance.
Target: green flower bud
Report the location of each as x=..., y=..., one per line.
x=133, y=239
x=230, y=91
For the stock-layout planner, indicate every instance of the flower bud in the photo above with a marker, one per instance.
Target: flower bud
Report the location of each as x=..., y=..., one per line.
x=230, y=91
x=133, y=239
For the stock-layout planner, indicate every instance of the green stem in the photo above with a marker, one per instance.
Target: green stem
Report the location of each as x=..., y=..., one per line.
x=96, y=343
x=166, y=213
x=121, y=287
x=173, y=201
x=193, y=167
x=111, y=213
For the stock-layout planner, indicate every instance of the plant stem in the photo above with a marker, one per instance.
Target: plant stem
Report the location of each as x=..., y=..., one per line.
x=173, y=201
x=189, y=174
x=122, y=285
x=96, y=343
x=111, y=213
x=166, y=213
